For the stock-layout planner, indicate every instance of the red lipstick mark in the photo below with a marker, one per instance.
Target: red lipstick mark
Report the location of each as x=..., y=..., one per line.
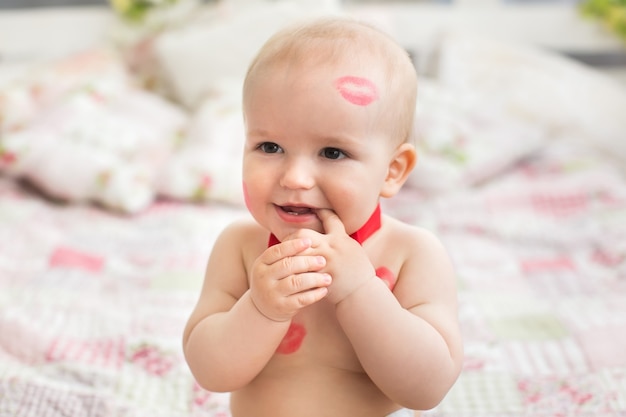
x=357, y=90
x=292, y=340
x=387, y=276
x=246, y=196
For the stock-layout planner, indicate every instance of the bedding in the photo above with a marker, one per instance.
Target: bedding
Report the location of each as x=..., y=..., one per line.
x=531, y=207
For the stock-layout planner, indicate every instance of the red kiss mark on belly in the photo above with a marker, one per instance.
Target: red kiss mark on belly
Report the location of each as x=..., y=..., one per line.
x=357, y=90
x=292, y=340
x=386, y=275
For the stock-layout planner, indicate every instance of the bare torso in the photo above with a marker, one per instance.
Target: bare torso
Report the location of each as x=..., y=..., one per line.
x=321, y=377
x=315, y=371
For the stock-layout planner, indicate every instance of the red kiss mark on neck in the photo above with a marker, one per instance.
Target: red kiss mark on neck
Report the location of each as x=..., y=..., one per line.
x=357, y=90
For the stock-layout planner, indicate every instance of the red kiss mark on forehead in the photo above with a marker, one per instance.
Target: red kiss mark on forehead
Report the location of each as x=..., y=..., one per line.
x=357, y=90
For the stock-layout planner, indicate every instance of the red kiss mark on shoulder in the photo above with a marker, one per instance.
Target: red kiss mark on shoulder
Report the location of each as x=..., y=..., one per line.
x=386, y=275
x=293, y=339
x=357, y=90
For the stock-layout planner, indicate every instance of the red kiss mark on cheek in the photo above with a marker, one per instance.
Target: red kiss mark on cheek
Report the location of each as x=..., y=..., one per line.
x=386, y=275
x=292, y=340
x=246, y=196
x=357, y=90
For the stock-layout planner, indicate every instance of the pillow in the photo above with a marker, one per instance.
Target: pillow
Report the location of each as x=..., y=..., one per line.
x=464, y=140
x=538, y=87
x=207, y=167
x=42, y=85
x=92, y=137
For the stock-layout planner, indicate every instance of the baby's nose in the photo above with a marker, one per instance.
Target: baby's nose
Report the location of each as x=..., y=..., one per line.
x=298, y=174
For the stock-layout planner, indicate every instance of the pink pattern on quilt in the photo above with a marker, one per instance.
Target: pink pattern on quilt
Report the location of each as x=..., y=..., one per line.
x=153, y=360
x=101, y=352
x=66, y=257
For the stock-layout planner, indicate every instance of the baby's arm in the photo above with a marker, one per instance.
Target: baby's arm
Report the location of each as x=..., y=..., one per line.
x=407, y=341
x=233, y=331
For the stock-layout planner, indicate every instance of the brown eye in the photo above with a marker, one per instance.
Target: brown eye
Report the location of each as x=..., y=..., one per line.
x=269, y=147
x=333, y=153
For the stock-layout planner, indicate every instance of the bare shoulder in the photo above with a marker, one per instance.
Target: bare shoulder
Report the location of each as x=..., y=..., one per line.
x=241, y=232
x=235, y=248
x=416, y=240
x=427, y=273
x=237, y=243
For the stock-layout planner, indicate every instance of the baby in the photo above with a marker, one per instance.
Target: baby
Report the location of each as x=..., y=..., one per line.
x=322, y=306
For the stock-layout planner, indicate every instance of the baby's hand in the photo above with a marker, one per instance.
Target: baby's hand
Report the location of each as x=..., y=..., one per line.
x=284, y=280
x=346, y=260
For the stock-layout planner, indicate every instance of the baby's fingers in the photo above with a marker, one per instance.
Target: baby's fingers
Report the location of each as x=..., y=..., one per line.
x=306, y=289
x=299, y=283
x=332, y=223
x=287, y=267
x=285, y=249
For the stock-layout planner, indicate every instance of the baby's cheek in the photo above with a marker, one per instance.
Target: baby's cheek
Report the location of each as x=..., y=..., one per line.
x=387, y=276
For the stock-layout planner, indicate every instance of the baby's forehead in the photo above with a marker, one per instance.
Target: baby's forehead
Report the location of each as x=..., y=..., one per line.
x=330, y=43
x=358, y=69
x=359, y=85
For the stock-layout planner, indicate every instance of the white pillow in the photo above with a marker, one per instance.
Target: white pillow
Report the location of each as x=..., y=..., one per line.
x=464, y=140
x=102, y=141
x=571, y=100
x=207, y=167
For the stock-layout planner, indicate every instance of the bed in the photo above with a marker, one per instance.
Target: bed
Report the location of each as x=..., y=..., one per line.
x=521, y=175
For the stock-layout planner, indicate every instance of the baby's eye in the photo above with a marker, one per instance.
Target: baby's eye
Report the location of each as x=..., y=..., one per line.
x=333, y=153
x=269, y=147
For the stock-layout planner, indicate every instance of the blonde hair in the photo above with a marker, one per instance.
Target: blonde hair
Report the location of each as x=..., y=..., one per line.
x=333, y=40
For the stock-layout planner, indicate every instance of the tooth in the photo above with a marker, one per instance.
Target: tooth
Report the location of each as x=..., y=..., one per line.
x=297, y=211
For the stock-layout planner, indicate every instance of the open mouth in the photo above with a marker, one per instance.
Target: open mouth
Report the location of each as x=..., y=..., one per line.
x=296, y=215
x=297, y=210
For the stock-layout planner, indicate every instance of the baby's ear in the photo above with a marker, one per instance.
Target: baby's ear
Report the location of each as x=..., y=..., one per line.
x=400, y=167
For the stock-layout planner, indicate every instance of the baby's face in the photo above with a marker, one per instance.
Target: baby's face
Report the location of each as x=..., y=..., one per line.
x=314, y=140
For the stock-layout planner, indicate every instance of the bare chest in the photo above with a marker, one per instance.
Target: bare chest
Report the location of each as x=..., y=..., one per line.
x=316, y=338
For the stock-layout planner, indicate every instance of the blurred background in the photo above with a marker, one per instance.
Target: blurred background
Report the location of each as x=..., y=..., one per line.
x=560, y=25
